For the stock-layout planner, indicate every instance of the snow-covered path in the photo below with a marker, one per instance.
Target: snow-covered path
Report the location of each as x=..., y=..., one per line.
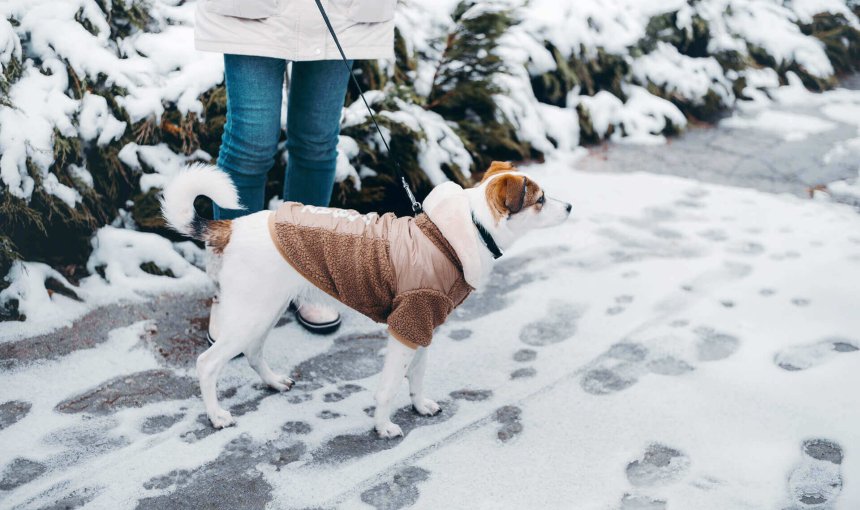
x=674, y=345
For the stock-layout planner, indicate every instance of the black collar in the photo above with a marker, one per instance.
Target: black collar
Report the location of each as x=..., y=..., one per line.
x=489, y=242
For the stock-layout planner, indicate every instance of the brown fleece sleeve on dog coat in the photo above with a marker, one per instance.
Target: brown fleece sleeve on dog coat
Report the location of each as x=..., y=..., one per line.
x=417, y=313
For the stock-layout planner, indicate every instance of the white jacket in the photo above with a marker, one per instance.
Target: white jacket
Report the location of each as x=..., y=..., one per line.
x=294, y=29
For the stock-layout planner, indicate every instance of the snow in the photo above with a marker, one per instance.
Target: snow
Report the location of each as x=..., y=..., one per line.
x=693, y=297
x=792, y=126
x=347, y=148
x=121, y=252
x=163, y=162
x=160, y=68
x=118, y=254
x=27, y=131
x=438, y=146
x=827, y=110
x=642, y=119
x=10, y=45
x=154, y=68
x=637, y=242
x=27, y=285
x=806, y=9
x=96, y=121
x=682, y=75
x=614, y=26
x=82, y=174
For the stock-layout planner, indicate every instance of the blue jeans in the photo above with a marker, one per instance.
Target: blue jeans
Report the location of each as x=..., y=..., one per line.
x=249, y=145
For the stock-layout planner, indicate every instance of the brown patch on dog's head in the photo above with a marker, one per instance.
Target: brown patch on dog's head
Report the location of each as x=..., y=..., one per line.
x=217, y=235
x=497, y=167
x=509, y=194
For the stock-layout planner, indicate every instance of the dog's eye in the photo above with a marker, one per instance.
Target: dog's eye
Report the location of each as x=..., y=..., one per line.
x=542, y=199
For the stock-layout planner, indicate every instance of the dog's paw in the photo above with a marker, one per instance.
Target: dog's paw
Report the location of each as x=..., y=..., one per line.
x=426, y=407
x=222, y=418
x=281, y=383
x=389, y=430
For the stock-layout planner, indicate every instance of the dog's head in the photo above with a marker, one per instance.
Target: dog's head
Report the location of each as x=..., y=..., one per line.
x=510, y=203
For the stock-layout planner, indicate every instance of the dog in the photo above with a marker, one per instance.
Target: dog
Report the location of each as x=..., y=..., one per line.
x=408, y=272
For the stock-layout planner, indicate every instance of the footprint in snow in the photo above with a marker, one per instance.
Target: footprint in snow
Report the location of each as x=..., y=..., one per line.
x=641, y=502
x=400, y=491
x=745, y=248
x=801, y=357
x=713, y=345
x=716, y=235
x=523, y=373
x=19, y=472
x=624, y=363
x=788, y=255
x=658, y=466
x=525, y=355
x=619, y=306
x=557, y=325
x=508, y=276
x=697, y=193
x=690, y=204
x=817, y=480
x=618, y=368
x=509, y=418
x=460, y=334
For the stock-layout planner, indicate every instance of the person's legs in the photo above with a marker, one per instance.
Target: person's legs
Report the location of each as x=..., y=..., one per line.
x=317, y=91
x=254, y=92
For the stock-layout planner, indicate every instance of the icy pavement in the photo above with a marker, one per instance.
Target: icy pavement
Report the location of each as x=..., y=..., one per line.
x=674, y=345
x=797, y=143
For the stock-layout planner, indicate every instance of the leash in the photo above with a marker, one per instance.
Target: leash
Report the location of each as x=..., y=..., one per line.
x=416, y=206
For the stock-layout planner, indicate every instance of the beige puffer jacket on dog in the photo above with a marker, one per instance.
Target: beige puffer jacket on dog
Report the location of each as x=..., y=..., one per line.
x=294, y=29
x=408, y=272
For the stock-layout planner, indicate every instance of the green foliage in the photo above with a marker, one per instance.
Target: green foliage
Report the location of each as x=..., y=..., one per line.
x=692, y=42
x=127, y=16
x=382, y=192
x=463, y=91
x=592, y=73
x=463, y=87
x=841, y=40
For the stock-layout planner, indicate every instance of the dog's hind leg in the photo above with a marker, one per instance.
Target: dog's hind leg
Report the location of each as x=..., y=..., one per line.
x=242, y=324
x=415, y=374
x=397, y=359
x=254, y=354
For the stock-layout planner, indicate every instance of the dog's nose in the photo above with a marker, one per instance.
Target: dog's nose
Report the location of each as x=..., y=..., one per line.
x=569, y=208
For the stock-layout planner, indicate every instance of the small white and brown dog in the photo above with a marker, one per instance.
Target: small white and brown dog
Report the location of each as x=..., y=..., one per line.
x=408, y=272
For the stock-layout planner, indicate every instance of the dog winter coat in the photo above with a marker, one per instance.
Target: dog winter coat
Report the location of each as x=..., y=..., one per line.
x=401, y=271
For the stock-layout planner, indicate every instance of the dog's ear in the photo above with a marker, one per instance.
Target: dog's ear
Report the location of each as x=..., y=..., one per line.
x=497, y=167
x=509, y=194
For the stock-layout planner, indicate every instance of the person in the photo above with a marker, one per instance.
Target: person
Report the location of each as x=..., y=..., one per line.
x=258, y=38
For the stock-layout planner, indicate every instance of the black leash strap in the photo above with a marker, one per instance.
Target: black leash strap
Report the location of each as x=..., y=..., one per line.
x=416, y=206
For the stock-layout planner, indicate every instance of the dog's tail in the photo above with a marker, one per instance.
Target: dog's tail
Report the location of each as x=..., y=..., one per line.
x=177, y=202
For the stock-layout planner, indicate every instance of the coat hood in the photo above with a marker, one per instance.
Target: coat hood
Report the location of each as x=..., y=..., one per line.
x=448, y=208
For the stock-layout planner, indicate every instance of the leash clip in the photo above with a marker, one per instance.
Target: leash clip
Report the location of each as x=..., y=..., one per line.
x=416, y=205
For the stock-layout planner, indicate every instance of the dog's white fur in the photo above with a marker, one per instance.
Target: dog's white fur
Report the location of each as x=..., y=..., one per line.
x=256, y=284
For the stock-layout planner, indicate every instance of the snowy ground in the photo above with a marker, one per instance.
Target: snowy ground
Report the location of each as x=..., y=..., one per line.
x=676, y=344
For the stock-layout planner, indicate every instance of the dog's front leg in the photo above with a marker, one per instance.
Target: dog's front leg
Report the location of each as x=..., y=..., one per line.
x=397, y=359
x=423, y=406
